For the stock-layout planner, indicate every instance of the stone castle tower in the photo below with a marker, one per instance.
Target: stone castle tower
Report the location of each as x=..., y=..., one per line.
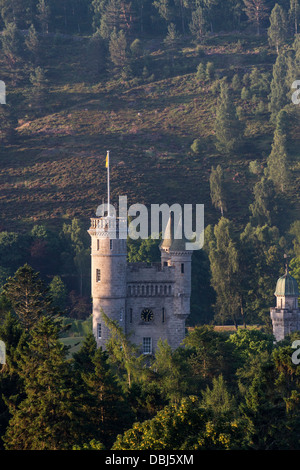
x=149, y=302
x=286, y=315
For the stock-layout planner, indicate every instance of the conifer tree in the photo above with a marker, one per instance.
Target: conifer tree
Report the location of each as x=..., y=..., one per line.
x=110, y=18
x=118, y=49
x=277, y=32
x=18, y=12
x=217, y=192
x=107, y=409
x=33, y=44
x=28, y=296
x=224, y=264
x=228, y=128
x=279, y=89
x=277, y=164
x=198, y=25
x=263, y=207
x=43, y=15
x=38, y=93
x=98, y=8
x=257, y=11
x=8, y=124
x=11, y=44
x=58, y=293
x=49, y=417
x=172, y=35
x=294, y=15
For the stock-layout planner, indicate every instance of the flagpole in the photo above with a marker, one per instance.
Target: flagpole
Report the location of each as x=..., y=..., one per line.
x=108, y=185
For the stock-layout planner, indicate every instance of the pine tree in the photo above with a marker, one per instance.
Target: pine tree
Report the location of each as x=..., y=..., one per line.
x=263, y=208
x=261, y=249
x=172, y=35
x=107, y=409
x=98, y=8
x=33, y=45
x=28, y=296
x=96, y=55
x=118, y=49
x=164, y=9
x=49, y=417
x=11, y=44
x=277, y=162
x=18, y=12
x=110, y=19
x=257, y=11
x=8, y=124
x=228, y=128
x=58, y=293
x=279, y=89
x=224, y=264
x=294, y=15
x=277, y=32
x=198, y=25
x=38, y=93
x=43, y=15
x=217, y=192
x=218, y=399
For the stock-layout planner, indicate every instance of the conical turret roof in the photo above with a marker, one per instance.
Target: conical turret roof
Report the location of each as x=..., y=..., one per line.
x=287, y=285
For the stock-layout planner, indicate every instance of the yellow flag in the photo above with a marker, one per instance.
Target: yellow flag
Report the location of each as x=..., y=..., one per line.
x=106, y=164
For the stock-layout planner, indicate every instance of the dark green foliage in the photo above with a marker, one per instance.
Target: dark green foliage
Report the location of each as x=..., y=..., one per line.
x=106, y=405
x=217, y=189
x=8, y=124
x=228, y=128
x=11, y=40
x=123, y=74
x=263, y=208
x=33, y=45
x=278, y=30
x=38, y=94
x=48, y=417
x=28, y=297
x=257, y=12
x=277, y=169
x=279, y=89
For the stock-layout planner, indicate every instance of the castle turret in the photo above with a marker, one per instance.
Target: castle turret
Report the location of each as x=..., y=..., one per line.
x=286, y=315
x=108, y=268
x=174, y=253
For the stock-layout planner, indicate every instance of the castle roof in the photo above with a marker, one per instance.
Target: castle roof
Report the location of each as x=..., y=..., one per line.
x=171, y=241
x=287, y=285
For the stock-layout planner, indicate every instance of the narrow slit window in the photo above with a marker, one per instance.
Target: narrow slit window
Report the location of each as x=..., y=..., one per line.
x=98, y=275
x=130, y=315
x=98, y=244
x=182, y=268
x=163, y=315
x=99, y=330
x=110, y=244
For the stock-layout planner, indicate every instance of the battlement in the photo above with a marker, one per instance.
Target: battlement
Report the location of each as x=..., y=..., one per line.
x=112, y=227
x=155, y=267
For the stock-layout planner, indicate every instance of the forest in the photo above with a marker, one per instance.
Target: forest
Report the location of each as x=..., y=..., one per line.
x=194, y=99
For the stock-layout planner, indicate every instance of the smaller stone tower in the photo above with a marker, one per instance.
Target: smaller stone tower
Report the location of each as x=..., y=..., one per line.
x=174, y=253
x=286, y=315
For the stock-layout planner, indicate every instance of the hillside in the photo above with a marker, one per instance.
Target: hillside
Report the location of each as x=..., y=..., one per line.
x=55, y=168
